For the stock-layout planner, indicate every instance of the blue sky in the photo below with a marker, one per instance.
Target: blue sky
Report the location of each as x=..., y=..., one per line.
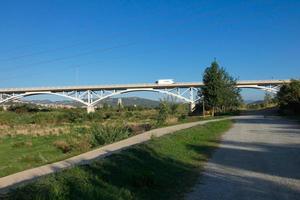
x=47, y=43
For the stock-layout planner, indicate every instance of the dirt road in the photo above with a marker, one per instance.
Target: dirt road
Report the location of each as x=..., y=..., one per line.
x=259, y=158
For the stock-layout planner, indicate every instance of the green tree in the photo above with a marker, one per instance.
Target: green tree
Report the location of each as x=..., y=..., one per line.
x=162, y=113
x=173, y=108
x=267, y=99
x=230, y=94
x=289, y=98
x=219, y=89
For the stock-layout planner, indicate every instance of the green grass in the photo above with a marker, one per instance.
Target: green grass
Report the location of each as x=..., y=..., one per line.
x=163, y=168
x=22, y=152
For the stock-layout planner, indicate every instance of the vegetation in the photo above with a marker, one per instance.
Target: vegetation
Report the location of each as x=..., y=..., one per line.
x=289, y=98
x=269, y=101
x=163, y=168
x=31, y=136
x=162, y=113
x=219, y=91
x=20, y=152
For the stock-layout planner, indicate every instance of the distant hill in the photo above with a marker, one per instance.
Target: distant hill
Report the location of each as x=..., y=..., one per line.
x=254, y=102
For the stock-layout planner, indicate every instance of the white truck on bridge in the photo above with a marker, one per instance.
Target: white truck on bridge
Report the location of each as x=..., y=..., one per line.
x=165, y=81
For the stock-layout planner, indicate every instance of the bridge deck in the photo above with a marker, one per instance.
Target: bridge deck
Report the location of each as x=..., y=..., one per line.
x=132, y=86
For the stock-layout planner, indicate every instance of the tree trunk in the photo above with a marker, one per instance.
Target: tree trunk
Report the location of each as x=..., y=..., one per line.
x=203, y=109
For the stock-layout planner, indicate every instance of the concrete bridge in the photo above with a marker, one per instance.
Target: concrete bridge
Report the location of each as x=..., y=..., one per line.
x=91, y=95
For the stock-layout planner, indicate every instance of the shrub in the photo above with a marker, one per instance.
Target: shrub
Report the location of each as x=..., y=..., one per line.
x=63, y=146
x=129, y=114
x=139, y=128
x=73, y=116
x=171, y=120
x=23, y=108
x=96, y=116
x=173, y=108
x=104, y=134
x=162, y=114
x=84, y=144
x=97, y=135
x=182, y=117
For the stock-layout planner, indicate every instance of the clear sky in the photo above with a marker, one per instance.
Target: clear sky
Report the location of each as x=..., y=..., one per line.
x=60, y=42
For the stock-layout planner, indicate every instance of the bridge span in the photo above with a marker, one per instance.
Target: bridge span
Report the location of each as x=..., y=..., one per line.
x=91, y=95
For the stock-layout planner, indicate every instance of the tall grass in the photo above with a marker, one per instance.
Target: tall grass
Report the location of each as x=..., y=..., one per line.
x=20, y=152
x=98, y=134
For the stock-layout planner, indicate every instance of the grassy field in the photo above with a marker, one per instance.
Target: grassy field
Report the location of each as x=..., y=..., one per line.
x=58, y=121
x=31, y=137
x=163, y=168
x=20, y=152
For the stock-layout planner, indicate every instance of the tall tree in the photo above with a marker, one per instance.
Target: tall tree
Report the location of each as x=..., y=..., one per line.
x=230, y=93
x=219, y=88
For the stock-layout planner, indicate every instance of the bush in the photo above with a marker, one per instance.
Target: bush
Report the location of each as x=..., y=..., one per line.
x=139, y=128
x=96, y=116
x=104, y=134
x=74, y=116
x=162, y=113
x=182, y=117
x=173, y=108
x=63, y=146
x=98, y=134
x=23, y=108
x=129, y=114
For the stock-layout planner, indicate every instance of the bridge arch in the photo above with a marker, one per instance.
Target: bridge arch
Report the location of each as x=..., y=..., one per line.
x=144, y=90
x=40, y=93
x=273, y=90
x=93, y=103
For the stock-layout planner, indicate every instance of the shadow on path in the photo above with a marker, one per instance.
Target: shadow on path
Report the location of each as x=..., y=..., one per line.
x=258, y=159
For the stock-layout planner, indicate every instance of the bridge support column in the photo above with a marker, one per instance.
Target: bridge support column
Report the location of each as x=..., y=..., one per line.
x=192, y=106
x=90, y=109
x=4, y=107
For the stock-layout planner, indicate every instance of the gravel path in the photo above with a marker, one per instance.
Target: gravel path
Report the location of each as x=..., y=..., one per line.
x=29, y=175
x=259, y=158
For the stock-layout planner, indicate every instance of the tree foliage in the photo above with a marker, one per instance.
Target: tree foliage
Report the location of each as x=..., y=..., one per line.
x=219, y=89
x=269, y=99
x=289, y=98
x=162, y=113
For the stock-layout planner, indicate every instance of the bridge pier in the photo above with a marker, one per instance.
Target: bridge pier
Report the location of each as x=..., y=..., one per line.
x=192, y=106
x=90, y=109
